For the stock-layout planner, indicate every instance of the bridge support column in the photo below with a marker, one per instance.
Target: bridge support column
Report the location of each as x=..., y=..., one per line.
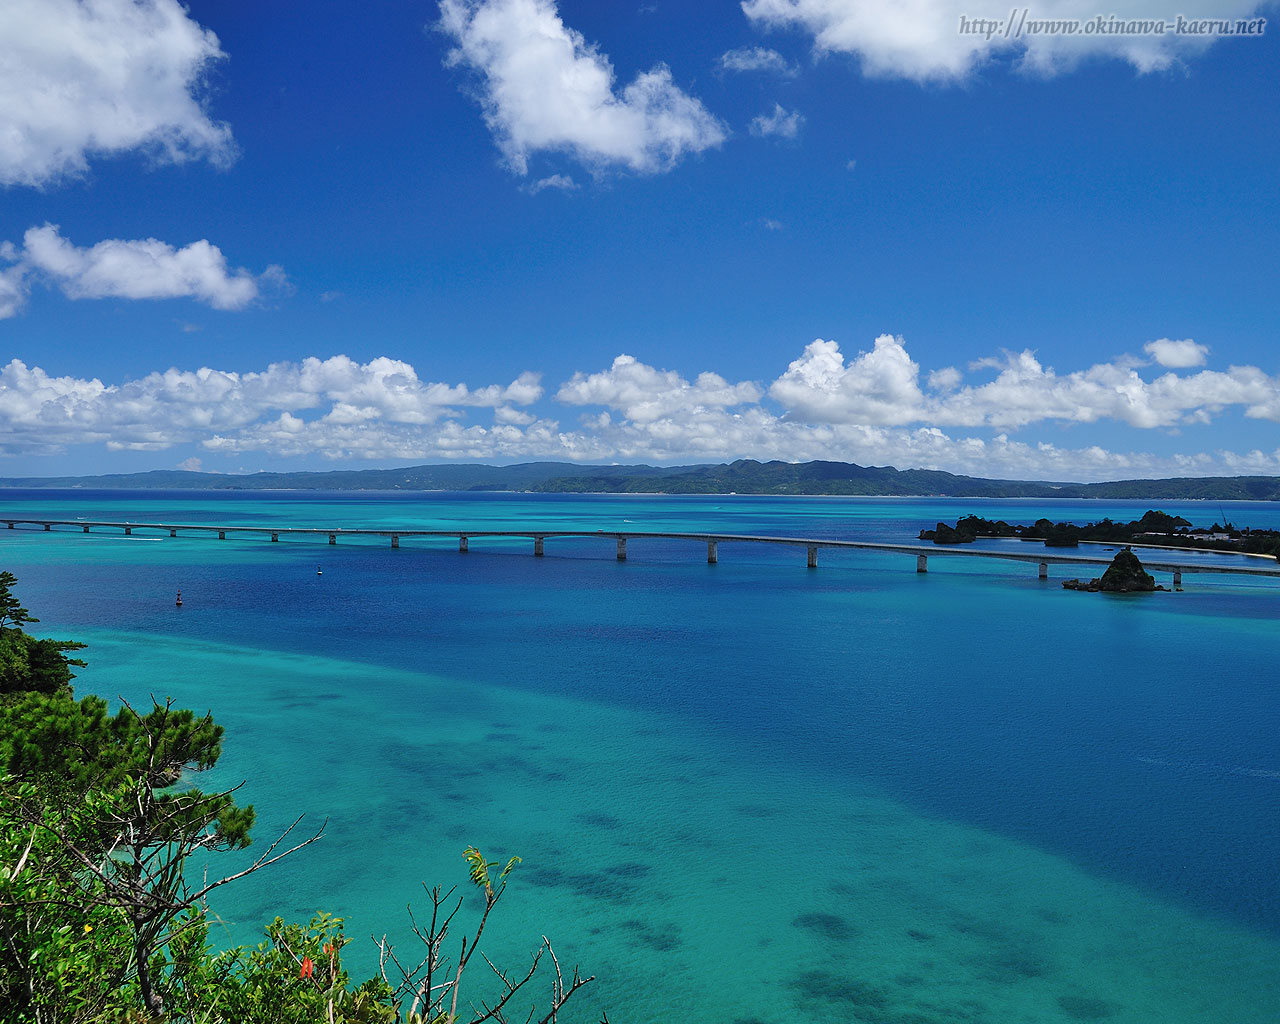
x=622, y=549
x=1177, y=577
x=47, y=528
x=86, y=529
x=275, y=537
x=922, y=563
x=395, y=541
x=713, y=555
x=222, y=535
x=813, y=557
x=173, y=533
x=462, y=544
x=11, y=526
x=1044, y=570
x=128, y=530
x=333, y=538
x=537, y=547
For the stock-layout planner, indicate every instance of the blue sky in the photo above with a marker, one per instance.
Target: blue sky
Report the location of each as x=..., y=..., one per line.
x=242, y=236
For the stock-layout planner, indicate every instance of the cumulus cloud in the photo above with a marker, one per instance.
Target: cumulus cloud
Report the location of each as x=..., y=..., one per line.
x=316, y=402
x=543, y=87
x=923, y=40
x=781, y=122
x=880, y=386
x=870, y=409
x=139, y=269
x=644, y=394
x=82, y=78
x=755, y=58
x=1177, y=355
x=945, y=379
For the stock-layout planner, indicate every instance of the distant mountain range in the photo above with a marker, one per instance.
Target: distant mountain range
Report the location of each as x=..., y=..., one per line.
x=745, y=476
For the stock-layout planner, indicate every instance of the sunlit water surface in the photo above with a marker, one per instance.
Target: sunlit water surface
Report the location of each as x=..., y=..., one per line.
x=744, y=792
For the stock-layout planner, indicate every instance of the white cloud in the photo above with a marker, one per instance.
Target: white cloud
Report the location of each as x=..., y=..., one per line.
x=139, y=269
x=560, y=182
x=880, y=386
x=946, y=379
x=82, y=78
x=644, y=394
x=755, y=58
x=13, y=291
x=545, y=88
x=1177, y=355
x=922, y=39
x=327, y=398
x=870, y=409
x=781, y=122
x=1025, y=392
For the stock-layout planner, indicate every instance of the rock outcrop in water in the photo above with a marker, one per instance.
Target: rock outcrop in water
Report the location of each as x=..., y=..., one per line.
x=1124, y=575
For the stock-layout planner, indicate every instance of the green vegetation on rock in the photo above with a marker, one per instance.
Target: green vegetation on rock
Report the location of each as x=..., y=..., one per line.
x=100, y=922
x=1124, y=575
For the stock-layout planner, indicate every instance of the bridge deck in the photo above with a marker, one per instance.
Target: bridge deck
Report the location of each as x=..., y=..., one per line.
x=1038, y=557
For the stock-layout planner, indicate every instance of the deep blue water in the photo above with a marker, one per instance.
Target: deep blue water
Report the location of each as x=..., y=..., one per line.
x=999, y=748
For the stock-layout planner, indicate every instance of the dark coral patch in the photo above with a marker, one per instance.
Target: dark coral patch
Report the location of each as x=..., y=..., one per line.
x=662, y=939
x=1085, y=1008
x=831, y=988
x=631, y=869
x=829, y=926
x=597, y=819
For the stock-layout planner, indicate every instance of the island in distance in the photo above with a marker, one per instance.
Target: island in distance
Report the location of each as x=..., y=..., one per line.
x=1156, y=528
x=1124, y=575
x=745, y=476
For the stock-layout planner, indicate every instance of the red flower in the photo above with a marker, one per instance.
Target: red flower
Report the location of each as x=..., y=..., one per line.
x=307, y=967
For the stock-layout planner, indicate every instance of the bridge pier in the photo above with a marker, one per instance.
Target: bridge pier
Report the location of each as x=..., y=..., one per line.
x=1177, y=577
x=622, y=549
x=713, y=554
x=47, y=528
x=275, y=537
x=333, y=538
x=128, y=530
x=922, y=563
x=395, y=541
x=86, y=529
x=11, y=526
x=813, y=557
x=1044, y=570
x=222, y=535
x=537, y=547
x=173, y=533
x=462, y=544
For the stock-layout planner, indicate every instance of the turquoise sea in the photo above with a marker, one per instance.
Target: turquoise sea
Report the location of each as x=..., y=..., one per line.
x=745, y=793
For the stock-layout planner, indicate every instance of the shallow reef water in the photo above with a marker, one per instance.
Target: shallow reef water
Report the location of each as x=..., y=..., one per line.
x=744, y=793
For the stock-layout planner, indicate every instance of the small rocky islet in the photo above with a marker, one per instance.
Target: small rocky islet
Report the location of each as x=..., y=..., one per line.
x=1124, y=575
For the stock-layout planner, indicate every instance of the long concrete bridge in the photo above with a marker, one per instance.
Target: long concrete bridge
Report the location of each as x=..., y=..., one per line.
x=712, y=541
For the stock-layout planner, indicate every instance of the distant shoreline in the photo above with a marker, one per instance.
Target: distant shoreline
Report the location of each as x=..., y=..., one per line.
x=5, y=488
x=81, y=489
x=746, y=477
